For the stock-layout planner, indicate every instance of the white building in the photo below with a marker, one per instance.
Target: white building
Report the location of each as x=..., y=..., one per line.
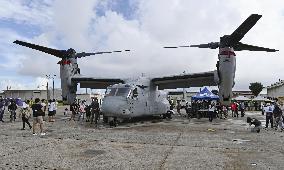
x=276, y=90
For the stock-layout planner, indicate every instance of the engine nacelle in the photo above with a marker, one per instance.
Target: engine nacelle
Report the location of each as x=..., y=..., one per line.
x=226, y=73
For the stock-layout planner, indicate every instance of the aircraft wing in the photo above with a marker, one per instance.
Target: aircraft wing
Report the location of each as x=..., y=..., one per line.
x=186, y=80
x=95, y=83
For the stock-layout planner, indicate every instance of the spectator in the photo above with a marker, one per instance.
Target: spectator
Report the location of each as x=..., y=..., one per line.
x=277, y=113
x=95, y=110
x=269, y=115
x=44, y=108
x=25, y=111
x=2, y=109
x=256, y=123
x=50, y=110
x=74, y=109
x=37, y=116
x=12, y=108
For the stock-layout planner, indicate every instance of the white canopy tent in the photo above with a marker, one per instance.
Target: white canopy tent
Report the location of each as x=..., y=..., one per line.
x=241, y=98
x=260, y=98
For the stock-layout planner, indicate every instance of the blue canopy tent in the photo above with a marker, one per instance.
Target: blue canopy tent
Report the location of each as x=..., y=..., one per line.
x=19, y=102
x=205, y=94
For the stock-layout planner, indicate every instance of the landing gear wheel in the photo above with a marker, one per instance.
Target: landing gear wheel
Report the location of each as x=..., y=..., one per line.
x=105, y=119
x=164, y=116
x=169, y=115
x=113, y=122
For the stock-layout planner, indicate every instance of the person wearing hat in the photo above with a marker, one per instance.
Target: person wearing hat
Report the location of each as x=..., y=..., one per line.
x=25, y=111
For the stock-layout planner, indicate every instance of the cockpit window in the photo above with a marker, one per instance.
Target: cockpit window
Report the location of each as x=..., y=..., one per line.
x=122, y=91
x=110, y=91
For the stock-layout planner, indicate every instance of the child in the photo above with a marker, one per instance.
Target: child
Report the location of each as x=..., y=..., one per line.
x=256, y=123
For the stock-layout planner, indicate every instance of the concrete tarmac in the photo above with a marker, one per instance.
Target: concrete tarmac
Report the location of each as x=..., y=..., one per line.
x=147, y=144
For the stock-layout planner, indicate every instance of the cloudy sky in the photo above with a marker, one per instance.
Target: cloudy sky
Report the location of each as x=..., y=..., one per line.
x=144, y=26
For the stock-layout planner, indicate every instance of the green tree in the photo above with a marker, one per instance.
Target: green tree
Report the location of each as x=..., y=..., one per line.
x=255, y=88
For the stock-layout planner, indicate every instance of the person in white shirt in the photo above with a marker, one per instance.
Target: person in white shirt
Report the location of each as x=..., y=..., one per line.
x=211, y=111
x=50, y=110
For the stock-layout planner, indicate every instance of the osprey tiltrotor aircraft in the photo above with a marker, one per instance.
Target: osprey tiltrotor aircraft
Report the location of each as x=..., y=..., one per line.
x=226, y=64
x=127, y=98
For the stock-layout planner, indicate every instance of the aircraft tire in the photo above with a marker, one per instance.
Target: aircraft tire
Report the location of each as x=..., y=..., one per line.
x=105, y=119
x=169, y=115
x=113, y=122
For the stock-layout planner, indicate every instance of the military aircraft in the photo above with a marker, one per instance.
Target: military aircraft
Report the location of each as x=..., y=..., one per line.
x=124, y=98
x=127, y=98
x=226, y=64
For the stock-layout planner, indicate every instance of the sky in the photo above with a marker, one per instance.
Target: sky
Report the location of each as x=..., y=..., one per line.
x=144, y=26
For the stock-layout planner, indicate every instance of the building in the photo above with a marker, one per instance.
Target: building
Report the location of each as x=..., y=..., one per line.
x=245, y=93
x=276, y=90
x=32, y=94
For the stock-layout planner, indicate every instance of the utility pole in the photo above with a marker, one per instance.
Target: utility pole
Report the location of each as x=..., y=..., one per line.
x=47, y=98
x=51, y=77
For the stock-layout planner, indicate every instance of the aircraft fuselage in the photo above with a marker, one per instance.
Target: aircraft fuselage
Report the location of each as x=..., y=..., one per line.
x=134, y=100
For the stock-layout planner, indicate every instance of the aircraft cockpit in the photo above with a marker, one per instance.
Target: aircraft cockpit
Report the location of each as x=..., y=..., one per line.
x=122, y=90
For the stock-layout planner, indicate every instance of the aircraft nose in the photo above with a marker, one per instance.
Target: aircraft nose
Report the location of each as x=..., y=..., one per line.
x=114, y=107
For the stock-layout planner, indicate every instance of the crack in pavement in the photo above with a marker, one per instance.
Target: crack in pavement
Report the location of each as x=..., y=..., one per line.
x=169, y=151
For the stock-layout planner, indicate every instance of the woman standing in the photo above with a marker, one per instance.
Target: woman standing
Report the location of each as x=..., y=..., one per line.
x=25, y=115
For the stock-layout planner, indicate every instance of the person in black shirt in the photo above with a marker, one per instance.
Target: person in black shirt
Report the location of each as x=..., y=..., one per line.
x=37, y=115
x=74, y=109
x=95, y=110
x=256, y=123
x=88, y=112
x=12, y=108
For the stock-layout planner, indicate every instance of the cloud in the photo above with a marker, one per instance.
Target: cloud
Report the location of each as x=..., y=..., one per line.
x=152, y=25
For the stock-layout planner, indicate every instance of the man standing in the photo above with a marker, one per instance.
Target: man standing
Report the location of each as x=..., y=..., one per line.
x=95, y=110
x=12, y=108
x=242, y=107
x=269, y=115
x=277, y=113
x=37, y=115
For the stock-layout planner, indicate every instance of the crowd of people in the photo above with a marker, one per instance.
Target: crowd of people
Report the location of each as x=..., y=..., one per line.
x=273, y=112
x=35, y=109
x=91, y=112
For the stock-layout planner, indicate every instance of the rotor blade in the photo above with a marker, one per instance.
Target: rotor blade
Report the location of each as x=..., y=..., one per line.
x=83, y=54
x=212, y=45
x=117, y=51
x=239, y=33
x=181, y=46
x=170, y=47
x=55, y=52
x=240, y=46
x=201, y=46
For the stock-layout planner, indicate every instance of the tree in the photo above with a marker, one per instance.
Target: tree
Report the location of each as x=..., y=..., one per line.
x=255, y=88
